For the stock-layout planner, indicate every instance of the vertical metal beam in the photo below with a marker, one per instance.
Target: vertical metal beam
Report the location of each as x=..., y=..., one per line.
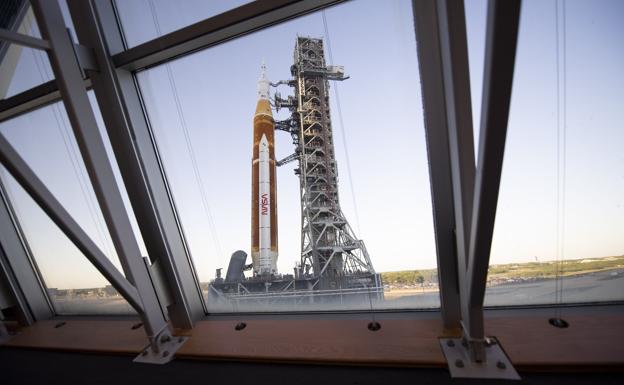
x=437, y=136
x=139, y=163
x=454, y=59
x=82, y=118
x=17, y=266
x=441, y=34
x=500, y=55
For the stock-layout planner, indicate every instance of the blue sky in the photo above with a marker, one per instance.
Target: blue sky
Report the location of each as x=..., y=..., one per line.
x=383, y=125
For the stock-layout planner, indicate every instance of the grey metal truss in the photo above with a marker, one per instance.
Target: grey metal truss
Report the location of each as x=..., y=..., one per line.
x=18, y=268
x=212, y=31
x=434, y=103
x=22, y=39
x=32, y=99
x=139, y=163
x=500, y=53
x=464, y=195
x=237, y=22
x=441, y=33
x=138, y=288
x=29, y=181
x=329, y=248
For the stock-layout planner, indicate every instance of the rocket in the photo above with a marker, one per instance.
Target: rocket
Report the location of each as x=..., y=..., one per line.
x=263, y=187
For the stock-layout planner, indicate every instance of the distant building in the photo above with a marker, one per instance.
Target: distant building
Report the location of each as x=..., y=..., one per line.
x=110, y=291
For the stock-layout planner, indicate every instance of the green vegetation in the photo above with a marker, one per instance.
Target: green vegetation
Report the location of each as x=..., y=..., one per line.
x=409, y=277
x=521, y=271
x=549, y=269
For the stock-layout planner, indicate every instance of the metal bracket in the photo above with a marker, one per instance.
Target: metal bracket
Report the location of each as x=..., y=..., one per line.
x=496, y=363
x=157, y=275
x=162, y=349
x=85, y=57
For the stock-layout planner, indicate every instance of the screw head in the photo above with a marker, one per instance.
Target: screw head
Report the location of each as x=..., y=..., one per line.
x=501, y=365
x=165, y=353
x=180, y=339
x=165, y=339
x=374, y=326
x=450, y=343
x=459, y=363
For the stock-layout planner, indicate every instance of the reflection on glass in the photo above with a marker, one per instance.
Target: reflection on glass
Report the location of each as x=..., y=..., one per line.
x=558, y=235
x=144, y=20
x=201, y=109
x=23, y=68
x=45, y=140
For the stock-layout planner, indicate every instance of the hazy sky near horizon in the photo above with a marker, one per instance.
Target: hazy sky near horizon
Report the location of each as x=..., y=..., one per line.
x=383, y=124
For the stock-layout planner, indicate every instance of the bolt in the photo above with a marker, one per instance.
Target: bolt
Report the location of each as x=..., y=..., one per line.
x=459, y=363
x=181, y=339
x=165, y=338
x=501, y=365
x=165, y=353
x=450, y=343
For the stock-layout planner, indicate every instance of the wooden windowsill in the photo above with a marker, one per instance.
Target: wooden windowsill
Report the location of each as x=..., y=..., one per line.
x=592, y=340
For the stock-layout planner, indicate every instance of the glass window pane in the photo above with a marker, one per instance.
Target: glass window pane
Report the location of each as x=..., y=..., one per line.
x=561, y=203
x=201, y=109
x=144, y=20
x=74, y=285
x=23, y=68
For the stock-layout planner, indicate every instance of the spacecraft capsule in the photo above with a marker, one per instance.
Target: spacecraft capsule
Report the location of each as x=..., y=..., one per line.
x=263, y=187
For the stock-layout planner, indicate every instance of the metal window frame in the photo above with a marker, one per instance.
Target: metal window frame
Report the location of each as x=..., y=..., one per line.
x=132, y=141
x=139, y=287
x=503, y=21
x=228, y=25
x=19, y=270
x=440, y=173
x=464, y=195
x=441, y=36
x=237, y=22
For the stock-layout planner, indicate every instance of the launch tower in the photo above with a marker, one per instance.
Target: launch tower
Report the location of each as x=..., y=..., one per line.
x=329, y=249
x=335, y=268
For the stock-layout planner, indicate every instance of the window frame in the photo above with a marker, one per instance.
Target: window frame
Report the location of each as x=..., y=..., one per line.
x=456, y=187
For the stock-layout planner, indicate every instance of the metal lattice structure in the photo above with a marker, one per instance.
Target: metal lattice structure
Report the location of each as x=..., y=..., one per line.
x=329, y=248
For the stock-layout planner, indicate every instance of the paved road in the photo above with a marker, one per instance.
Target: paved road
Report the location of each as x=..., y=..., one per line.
x=593, y=287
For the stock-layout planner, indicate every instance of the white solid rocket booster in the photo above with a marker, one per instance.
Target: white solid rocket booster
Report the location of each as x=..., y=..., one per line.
x=264, y=191
x=264, y=208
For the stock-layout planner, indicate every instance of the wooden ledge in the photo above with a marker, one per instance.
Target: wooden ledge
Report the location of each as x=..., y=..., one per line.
x=531, y=343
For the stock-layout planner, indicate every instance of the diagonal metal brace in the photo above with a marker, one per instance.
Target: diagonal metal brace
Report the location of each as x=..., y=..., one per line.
x=23, y=40
x=288, y=159
x=37, y=190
